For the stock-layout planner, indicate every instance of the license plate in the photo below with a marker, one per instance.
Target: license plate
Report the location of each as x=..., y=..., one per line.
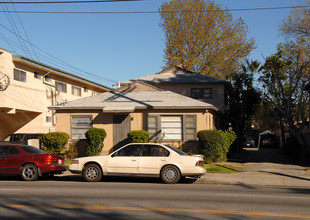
x=59, y=161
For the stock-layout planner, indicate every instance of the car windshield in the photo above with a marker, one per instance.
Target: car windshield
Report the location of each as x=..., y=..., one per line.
x=175, y=149
x=32, y=150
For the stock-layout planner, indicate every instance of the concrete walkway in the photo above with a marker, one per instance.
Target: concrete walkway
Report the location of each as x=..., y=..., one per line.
x=264, y=167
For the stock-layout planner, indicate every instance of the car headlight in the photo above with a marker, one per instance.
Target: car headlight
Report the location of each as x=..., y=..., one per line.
x=75, y=161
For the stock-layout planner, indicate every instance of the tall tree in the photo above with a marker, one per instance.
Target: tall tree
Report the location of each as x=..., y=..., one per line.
x=298, y=23
x=243, y=100
x=203, y=38
x=251, y=67
x=286, y=76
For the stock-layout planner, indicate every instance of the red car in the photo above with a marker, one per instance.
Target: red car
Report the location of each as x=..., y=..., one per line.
x=29, y=162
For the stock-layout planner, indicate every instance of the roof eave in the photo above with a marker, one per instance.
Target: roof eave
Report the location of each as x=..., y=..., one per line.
x=25, y=60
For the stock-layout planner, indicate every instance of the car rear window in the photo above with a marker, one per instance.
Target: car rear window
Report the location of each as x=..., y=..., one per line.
x=32, y=150
x=176, y=150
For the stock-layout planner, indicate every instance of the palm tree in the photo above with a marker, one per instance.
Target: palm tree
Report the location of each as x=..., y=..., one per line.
x=250, y=68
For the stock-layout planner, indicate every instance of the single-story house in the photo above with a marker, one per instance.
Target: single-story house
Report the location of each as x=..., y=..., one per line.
x=167, y=116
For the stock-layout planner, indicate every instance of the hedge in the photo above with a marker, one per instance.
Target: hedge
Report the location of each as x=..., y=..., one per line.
x=138, y=136
x=95, y=138
x=55, y=141
x=215, y=144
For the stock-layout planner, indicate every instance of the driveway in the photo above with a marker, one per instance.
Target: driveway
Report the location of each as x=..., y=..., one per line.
x=265, y=167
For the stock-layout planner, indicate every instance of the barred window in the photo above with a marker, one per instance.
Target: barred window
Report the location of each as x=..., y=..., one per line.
x=79, y=125
x=172, y=127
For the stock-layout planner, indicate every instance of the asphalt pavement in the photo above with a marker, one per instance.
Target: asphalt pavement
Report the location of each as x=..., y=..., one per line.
x=263, y=167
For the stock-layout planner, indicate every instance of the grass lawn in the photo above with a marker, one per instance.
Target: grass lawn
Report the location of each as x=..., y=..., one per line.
x=68, y=162
x=222, y=168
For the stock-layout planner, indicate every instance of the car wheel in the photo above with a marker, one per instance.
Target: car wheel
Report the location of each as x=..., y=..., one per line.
x=29, y=172
x=92, y=173
x=170, y=174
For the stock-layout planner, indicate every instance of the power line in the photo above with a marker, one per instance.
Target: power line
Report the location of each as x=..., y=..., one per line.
x=68, y=2
x=146, y=12
x=51, y=57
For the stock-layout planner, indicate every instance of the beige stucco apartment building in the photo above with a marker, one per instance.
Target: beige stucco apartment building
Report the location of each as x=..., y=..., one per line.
x=28, y=87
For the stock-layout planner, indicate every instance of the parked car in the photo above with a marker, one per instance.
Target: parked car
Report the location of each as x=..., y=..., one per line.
x=34, y=139
x=248, y=142
x=29, y=162
x=140, y=159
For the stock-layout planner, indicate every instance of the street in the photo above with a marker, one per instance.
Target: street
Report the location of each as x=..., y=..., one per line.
x=72, y=198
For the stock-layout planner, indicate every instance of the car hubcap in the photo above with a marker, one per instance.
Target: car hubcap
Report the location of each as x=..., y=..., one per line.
x=29, y=172
x=170, y=174
x=92, y=173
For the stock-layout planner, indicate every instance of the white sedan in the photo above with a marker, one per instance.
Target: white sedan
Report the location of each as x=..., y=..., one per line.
x=140, y=159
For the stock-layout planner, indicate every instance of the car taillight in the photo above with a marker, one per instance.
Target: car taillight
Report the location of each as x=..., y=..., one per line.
x=199, y=163
x=50, y=160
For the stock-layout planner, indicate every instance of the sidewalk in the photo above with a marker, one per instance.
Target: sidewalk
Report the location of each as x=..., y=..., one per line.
x=266, y=167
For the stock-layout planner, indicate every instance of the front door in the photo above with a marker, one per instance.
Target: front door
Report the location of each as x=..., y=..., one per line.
x=121, y=127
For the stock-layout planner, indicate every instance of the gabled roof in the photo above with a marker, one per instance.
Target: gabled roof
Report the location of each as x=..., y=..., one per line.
x=175, y=75
x=115, y=101
x=56, y=71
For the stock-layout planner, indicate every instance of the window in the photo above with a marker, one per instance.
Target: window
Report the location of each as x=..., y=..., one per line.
x=76, y=91
x=19, y=75
x=85, y=89
x=4, y=150
x=207, y=93
x=196, y=93
x=201, y=93
x=154, y=151
x=13, y=150
x=47, y=78
x=36, y=75
x=48, y=119
x=172, y=127
x=129, y=151
x=61, y=87
x=32, y=150
x=79, y=125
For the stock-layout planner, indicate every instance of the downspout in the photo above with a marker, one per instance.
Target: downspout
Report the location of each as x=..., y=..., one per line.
x=53, y=96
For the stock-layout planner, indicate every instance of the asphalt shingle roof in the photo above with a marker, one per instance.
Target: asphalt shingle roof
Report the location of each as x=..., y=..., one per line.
x=175, y=75
x=129, y=101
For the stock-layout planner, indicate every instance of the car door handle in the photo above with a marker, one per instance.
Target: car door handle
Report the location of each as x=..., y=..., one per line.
x=164, y=160
x=133, y=160
x=3, y=158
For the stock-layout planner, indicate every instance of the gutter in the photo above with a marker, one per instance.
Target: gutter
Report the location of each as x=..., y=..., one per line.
x=49, y=69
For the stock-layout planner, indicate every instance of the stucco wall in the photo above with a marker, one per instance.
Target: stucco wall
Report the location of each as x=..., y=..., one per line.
x=138, y=122
x=218, y=96
x=24, y=105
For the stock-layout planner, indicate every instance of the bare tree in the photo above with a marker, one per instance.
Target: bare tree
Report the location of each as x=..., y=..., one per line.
x=298, y=23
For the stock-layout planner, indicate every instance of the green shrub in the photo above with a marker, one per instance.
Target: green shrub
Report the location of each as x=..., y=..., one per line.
x=95, y=138
x=138, y=136
x=228, y=137
x=215, y=144
x=72, y=151
x=55, y=141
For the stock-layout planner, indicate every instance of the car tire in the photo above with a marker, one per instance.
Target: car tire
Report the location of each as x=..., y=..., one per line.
x=170, y=174
x=29, y=172
x=92, y=173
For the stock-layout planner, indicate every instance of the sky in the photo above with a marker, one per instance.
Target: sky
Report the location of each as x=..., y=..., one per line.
x=111, y=47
